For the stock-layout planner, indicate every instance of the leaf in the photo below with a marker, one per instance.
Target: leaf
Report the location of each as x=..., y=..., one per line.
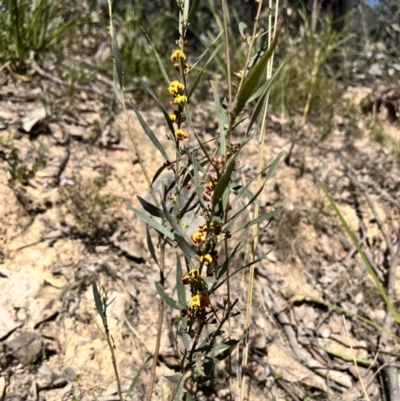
x=164, y=111
x=263, y=217
x=244, y=191
x=224, y=354
x=242, y=27
x=193, y=10
x=271, y=169
x=223, y=182
x=97, y=300
x=172, y=220
x=160, y=63
x=186, y=248
x=221, y=282
x=188, y=397
x=197, y=79
x=186, y=341
x=179, y=388
x=150, y=208
x=196, y=176
x=180, y=288
x=149, y=220
x=364, y=258
x=135, y=379
x=166, y=298
x=174, y=378
x=149, y=132
x=252, y=78
x=150, y=245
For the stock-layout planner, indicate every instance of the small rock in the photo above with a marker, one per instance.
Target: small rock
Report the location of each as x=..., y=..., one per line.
x=26, y=347
x=70, y=374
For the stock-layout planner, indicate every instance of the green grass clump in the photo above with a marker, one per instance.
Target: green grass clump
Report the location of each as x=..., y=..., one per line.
x=37, y=26
x=89, y=207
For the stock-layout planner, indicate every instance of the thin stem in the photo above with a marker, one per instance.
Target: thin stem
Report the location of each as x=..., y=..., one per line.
x=159, y=324
x=256, y=213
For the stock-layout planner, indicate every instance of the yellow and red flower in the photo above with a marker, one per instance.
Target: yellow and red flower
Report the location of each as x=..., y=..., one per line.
x=206, y=259
x=179, y=100
x=178, y=54
x=181, y=134
x=197, y=238
x=175, y=87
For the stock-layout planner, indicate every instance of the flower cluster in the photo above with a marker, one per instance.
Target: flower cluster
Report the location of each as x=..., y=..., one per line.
x=199, y=299
x=177, y=90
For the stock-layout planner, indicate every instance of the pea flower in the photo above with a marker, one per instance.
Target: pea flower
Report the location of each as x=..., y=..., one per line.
x=178, y=54
x=175, y=87
x=197, y=237
x=181, y=134
x=206, y=259
x=179, y=100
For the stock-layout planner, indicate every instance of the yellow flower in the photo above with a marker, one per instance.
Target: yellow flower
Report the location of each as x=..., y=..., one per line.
x=195, y=301
x=181, y=134
x=206, y=259
x=210, y=186
x=193, y=273
x=197, y=237
x=172, y=117
x=185, y=279
x=175, y=87
x=179, y=100
x=178, y=54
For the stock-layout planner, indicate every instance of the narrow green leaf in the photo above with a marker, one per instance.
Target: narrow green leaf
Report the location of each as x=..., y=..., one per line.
x=158, y=173
x=150, y=208
x=180, y=288
x=197, y=79
x=179, y=388
x=164, y=111
x=186, y=248
x=242, y=27
x=97, y=300
x=167, y=299
x=196, y=176
x=193, y=10
x=174, y=378
x=252, y=78
x=117, y=55
x=221, y=282
x=271, y=169
x=172, y=220
x=224, y=354
x=222, y=269
x=265, y=216
x=364, y=258
x=153, y=223
x=149, y=132
x=223, y=182
x=186, y=341
x=243, y=191
x=208, y=365
x=273, y=166
x=160, y=63
x=150, y=245
x=135, y=379
x=188, y=397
